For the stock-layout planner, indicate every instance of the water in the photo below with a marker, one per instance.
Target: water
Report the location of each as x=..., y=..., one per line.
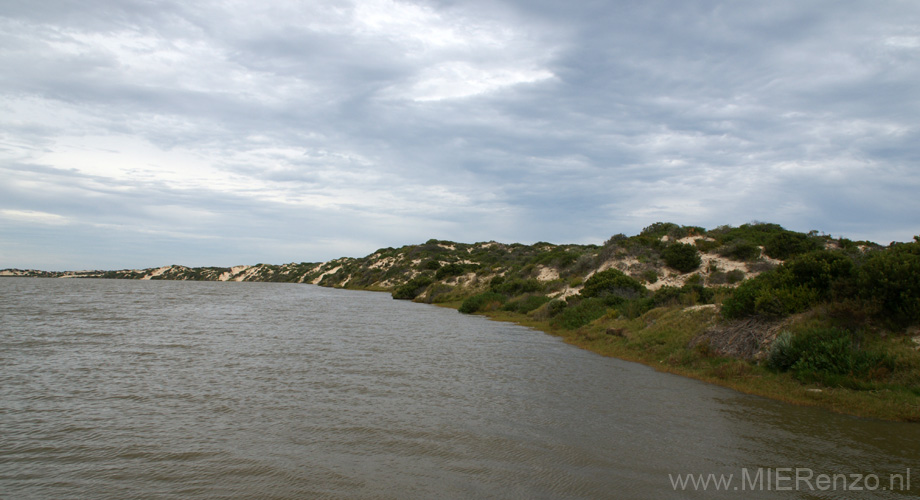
x=126, y=389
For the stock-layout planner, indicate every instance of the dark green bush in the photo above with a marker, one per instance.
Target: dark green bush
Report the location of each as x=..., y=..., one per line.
x=681, y=256
x=667, y=295
x=691, y=293
x=780, y=302
x=821, y=270
x=696, y=293
x=739, y=250
x=526, y=304
x=556, y=306
x=734, y=276
x=634, y=308
x=558, y=257
x=782, y=355
x=612, y=282
x=717, y=278
x=413, y=288
x=890, y=279
x=660, y=229
x=485, y=301
x=449, y=271
x=516, y=286
x=788, y=244
x=793, y=287
x=581, y=313
x=706, y=245
x=431, y=265
x=756, y=233
x=742, y=301
x=824, y=355
x=581, y=267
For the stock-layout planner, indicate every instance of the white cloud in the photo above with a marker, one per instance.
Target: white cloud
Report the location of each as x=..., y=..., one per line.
x=454, y=80
x=33, y=217
x=903, y=42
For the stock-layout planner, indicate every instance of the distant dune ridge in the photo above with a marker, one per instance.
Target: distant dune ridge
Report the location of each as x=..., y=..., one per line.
x=388, y=268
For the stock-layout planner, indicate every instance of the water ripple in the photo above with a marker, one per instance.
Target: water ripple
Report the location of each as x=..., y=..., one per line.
x=121, y=389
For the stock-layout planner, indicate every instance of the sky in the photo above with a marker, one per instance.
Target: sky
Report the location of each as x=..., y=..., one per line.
x=137, y=134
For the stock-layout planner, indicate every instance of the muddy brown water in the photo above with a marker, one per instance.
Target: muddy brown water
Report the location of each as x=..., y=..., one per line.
x=127, y=389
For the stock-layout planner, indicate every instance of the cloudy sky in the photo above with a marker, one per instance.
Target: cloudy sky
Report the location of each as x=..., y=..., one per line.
x=143, y=133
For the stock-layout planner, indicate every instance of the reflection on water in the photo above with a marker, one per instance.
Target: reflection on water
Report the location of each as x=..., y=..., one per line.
x=113, y=389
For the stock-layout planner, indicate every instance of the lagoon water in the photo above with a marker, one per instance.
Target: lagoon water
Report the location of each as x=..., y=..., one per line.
x=128, y=389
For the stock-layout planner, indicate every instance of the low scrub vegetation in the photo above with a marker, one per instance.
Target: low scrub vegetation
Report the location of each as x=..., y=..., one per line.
x=413, y=288
x=884, y=283
x=483, y=302
x=830, y=356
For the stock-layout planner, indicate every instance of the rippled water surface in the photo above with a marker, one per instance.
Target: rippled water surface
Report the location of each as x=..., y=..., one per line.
x=127, y=389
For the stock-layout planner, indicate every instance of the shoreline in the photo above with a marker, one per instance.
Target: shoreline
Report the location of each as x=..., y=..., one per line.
x=732, y=373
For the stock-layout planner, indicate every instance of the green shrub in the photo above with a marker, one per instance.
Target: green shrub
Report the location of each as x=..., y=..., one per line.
x=696, y=293
x=581, y=313
x=717, y=278
x=821, y=270
x=516, y=286
x=558, y=257
x=742, y=301
x=780, y=302
x=782, y=355
x=483, y=302
x=767, y=295
x=793, y=287
x=449, y=271
x=825, y=355
x=760, y=266
x=681, y=256
x=634, y=308
x=756, y=233
x=788, y=244
x=667, y=295
x=612, y=283
x=739, y=250
x=556, y=306
x=659, y=229
x=890, y=279
x=553, y=286
x=706, y=245
x=526, y=304
x=440, y=293
x=431, y=265
x=413, y=288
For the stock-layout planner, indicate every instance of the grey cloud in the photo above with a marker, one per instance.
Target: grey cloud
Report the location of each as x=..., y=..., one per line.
x=331, y=134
